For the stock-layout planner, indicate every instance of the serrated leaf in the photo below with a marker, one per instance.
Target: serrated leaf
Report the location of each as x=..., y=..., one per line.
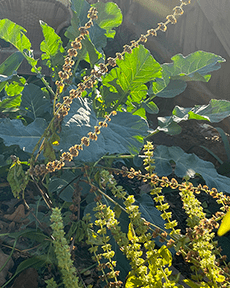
x=109, y=17
x=194, y=67
x=15, y=85
x=34, y=103
x=124, y=133
x=132, y=73
x=13, y=132
x=188, y=164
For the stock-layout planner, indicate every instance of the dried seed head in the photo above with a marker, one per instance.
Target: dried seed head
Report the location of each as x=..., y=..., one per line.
x=85, y=141
x=119, y=56
x=172, y=19
x=111, y=62
x=92, y=14
x=134, y=43
x=103, y=68
x=72, y=52
x=113, y=113
x=73, y=151
x=152, y=32
x=76, y=45
x=185, y=2
x=66, y=156
x=97, y=130
x=83, y=31
x=127, y=49
x=81, y=86
x=89, y=24
x=143, y=38
x=178, y=10
x=162, y=26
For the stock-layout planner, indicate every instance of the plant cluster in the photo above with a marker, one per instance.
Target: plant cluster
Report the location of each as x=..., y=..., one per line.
x=64, y=128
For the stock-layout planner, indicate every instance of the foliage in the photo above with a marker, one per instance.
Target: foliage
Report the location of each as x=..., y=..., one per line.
x=92, y=123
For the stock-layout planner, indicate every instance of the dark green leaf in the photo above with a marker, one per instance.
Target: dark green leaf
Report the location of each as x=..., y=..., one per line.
x=188, y=164
x=13, y=132
x=34, y=103
x=124, y=133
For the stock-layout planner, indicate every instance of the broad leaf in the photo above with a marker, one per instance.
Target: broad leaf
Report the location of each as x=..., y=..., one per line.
x=124, y=133
x=15, y=34
x=13, y=132
x=215, y=111
x=51, y=46
x=188, y=164
x=109, y=17
x=34, y=104
x=132, y=73
x=194, y=67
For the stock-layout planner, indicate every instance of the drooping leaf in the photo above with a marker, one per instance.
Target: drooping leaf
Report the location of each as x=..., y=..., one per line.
x=11, y=103
x=34, y=103
x=109, y=17
x=124, y=133
x=15, y=34
x=194, y=67
x=214, y=112
x=51, y=46
x=188, y=164
x=132, y=73
x=13, y=132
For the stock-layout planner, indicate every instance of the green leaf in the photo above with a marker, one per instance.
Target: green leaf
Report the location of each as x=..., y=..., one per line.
x=13, y=132
x=10, y=65
x=34, y=103
x=188, y=164
x=132, y=73
x=11, y=103
x=15, y=34
x=109, y=17
x=124, y=134
x=194, y=67
x=150, y=107
x=51, y=46
x=66, y=180
x=15, y=85
x=215, y=111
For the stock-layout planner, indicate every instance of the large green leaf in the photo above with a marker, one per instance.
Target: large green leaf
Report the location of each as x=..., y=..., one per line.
x=13, y=132
x=109, y=17
x=15, y=34
x=132, y=73
x=194, y=67
x=124, y=133
x=188, y=164
x=51, y=46
x=214, y=112
x=34, y=104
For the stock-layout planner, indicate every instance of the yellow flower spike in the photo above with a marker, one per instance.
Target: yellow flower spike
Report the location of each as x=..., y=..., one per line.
x=225, y=225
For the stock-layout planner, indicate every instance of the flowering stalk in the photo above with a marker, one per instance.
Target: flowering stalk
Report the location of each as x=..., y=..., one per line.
x=62, y=251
